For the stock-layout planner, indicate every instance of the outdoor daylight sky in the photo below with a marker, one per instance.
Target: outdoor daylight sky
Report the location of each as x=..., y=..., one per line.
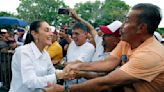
x=11, y=5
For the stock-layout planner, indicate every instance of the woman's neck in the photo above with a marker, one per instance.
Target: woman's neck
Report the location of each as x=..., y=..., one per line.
x=40, y=47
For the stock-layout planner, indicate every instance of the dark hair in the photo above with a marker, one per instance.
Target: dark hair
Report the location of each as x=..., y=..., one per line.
x=150, y=15
x=79, y=25
x=33, y=27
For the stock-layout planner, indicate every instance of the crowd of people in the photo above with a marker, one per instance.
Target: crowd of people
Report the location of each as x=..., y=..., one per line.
x=123, y=56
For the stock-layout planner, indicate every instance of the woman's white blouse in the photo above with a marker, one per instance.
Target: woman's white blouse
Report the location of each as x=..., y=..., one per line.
x=31, y=69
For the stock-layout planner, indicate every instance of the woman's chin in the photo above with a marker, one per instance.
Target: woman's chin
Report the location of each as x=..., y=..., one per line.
x=49, y=43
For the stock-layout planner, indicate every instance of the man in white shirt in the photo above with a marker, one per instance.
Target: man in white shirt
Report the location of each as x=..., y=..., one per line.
x=79, y=49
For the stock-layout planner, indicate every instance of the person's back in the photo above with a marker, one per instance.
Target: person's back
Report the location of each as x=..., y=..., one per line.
x=55, y=52
x=155, y=74
x=146, y=62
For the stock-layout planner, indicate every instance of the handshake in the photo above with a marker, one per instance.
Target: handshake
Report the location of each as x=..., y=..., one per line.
x=70, y=72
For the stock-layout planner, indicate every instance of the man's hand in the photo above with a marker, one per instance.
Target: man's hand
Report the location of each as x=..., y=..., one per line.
x=73, y=66
x=53, y=88
x=73, y=14
x=66, y=76
x=70, y=75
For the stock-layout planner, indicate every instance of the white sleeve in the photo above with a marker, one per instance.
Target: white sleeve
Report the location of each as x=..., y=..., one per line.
x=51, y=68
x=98, y=40
x=28, y=75
x=99, y=46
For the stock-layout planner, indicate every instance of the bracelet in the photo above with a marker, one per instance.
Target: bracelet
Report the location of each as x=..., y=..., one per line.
x=62, y=62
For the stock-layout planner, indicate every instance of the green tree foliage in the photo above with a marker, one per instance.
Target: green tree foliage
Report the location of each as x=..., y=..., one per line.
x=90, y=11
x=6, y=14
x=160, y=30
x=102, y=13
x=97, y=13
x=31, y=10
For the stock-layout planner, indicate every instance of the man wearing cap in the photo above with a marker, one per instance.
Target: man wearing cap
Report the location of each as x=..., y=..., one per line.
x=143, y=68
x=3, y=38
x=105, y=44
x=7, y=41
x=19, y=36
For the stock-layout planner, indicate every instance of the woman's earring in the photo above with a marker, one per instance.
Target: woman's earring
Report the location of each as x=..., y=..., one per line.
x=37, y=40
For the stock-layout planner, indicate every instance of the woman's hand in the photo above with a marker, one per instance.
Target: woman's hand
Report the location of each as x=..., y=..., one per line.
x=53, y=88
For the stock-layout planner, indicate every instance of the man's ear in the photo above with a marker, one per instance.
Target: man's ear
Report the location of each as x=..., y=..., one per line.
x=142, y=28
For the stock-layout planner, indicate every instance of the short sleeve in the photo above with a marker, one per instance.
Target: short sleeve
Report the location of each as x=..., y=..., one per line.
x=98, y=40
x=144, y=65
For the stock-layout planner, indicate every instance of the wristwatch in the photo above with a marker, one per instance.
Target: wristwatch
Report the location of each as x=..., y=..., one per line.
x=66, y=87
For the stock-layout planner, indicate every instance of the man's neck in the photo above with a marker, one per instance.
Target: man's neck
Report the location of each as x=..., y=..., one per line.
x=138, y=42
x=81, y=43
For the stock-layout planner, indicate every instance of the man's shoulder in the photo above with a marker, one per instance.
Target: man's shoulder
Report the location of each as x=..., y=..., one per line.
x=88, y=45
x=3, y=44
x=153, y=47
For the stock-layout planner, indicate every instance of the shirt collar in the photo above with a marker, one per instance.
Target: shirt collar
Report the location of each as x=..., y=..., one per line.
x=35, y=50
x=146, y=42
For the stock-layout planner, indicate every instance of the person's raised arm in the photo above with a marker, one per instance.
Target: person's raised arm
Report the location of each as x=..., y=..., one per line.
x=74, y=15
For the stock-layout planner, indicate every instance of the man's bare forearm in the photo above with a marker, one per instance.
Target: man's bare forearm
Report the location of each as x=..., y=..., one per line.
x=88, y=25
x=115, y=78
x=89, y=86
x=89, y=75
x=93, y=85
x=106, y=65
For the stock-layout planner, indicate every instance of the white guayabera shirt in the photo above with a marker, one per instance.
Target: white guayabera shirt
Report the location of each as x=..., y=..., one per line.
x=31, y=69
